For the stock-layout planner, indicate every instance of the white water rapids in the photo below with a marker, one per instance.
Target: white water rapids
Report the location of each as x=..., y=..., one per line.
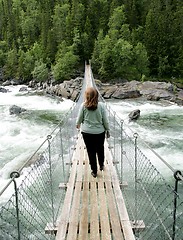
x=160, y=125
x=21, y=135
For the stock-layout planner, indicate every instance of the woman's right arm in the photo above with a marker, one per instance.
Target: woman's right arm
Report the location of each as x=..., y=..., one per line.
x=80, y=117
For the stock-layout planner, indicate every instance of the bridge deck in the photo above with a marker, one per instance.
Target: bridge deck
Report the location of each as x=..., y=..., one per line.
x=93, y=207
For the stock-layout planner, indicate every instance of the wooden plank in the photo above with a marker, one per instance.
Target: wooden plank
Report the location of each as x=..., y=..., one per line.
x=63, y=221
x=74, y=216
x=84, y=219
x=87, y=167
x=124, y=218
x=104, y=217
x=114, y=216
x=75, y=210
x=94, y=216
x=83, y=226
x=64, y=216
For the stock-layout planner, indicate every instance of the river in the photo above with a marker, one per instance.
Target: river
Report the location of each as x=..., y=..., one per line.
x=160, y=125
x=21, y=135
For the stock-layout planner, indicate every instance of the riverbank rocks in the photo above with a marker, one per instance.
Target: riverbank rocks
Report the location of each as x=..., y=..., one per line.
x=148, y=90
x=157, y=90
x=67, y=89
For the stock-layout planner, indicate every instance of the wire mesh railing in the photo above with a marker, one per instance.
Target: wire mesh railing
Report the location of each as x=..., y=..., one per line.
x=37, y=198
x=155, y=207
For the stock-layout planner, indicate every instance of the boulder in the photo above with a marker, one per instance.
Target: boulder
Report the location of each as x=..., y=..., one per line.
x=23, y=89
x=16, y=110
x=3, y=90
x=74, y=95
x=11, y=82
x=122, y=93
x=155, y=91
x=108, y=91
x=134, y=115
x=179, y=99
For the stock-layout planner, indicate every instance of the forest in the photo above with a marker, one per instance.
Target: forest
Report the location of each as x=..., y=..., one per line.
x=123, y=39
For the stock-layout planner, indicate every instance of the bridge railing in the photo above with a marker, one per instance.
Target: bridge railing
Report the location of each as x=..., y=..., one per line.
x=35, y=197
x=155, y=207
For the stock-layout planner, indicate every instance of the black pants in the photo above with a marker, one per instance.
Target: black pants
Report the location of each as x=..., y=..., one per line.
x=95, y=148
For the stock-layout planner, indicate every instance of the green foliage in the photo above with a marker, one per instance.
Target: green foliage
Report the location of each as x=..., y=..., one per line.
x=129, y=38
x=117, y=20
x=60, y=16
x=25, y=65
x=123, y=58
x=29, y=62
x=10, y=67
x=96, y=52
x=3, y=49
x=130, y=61
x=66, y=60
x=40, y=71
x=116, y=55
x=77, y=13
x=29, y=22
x=2, y=58
x=163, y=66
x=104, y=62
x=36, y=51
x=141, y=61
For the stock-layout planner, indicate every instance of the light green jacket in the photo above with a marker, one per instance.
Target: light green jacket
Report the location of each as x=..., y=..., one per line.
x=93, y=122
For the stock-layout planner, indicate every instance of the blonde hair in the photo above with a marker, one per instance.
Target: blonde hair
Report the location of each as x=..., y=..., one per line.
x=91, y=98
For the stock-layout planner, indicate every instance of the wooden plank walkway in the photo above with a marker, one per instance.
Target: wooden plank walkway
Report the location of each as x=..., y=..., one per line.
x=94, y=208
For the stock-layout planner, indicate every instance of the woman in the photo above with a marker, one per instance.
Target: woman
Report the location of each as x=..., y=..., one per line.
x=94, y=123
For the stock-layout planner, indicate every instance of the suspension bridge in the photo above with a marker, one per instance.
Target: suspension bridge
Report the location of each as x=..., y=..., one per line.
x=58, y=198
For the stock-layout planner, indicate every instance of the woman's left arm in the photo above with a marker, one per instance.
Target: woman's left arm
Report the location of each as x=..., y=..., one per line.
x=105, y=118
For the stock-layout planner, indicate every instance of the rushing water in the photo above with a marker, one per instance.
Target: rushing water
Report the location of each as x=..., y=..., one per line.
x=21, y=135
x=160, y=125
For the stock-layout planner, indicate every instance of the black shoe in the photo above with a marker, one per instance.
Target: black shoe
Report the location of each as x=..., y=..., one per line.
x=94, y=174
x=101, y=168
